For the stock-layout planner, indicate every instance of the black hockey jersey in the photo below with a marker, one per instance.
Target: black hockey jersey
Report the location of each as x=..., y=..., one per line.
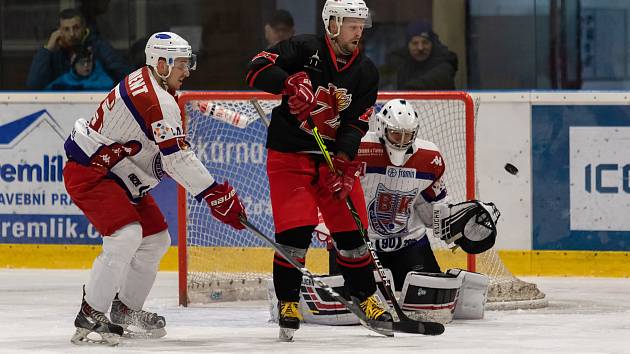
x=344, y=90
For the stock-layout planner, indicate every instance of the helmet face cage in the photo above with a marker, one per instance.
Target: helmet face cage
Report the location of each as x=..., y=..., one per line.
x=169, y=46
x=339, y=9
x=404, y=137
x=398, y=125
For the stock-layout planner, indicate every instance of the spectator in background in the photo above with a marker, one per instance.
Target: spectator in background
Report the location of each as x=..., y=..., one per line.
x=91, y=10
x=84, y=75
x=426, y=63
x=279, y=27
x=54, y=59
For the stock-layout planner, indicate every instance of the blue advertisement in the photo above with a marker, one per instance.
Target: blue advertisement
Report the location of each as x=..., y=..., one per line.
x=581, y=177
x=34, y=205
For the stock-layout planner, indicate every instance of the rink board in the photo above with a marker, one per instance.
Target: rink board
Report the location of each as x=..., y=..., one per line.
x=522, y=263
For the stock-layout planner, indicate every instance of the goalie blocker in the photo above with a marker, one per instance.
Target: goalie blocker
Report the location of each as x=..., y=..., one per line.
x=434, y=297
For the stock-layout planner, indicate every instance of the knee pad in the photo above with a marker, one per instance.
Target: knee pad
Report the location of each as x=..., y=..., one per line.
x=350, y=241
x=153, y=247
x=430, y=296
x=120, y=247
x=473, y=294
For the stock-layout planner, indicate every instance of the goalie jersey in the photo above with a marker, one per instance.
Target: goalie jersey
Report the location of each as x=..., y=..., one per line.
x=136, y=134
x=400, y=198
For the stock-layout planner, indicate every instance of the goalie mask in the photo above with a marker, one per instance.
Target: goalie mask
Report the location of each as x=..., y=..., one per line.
x=170, y=46
x=339, y=9
x=397, y=124
x=471, y=225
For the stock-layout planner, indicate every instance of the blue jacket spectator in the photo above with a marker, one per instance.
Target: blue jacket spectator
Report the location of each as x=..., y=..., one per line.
x=54, y=59
x=86, y=74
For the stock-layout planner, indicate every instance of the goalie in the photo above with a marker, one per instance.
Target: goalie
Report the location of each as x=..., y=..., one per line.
x=405, y=193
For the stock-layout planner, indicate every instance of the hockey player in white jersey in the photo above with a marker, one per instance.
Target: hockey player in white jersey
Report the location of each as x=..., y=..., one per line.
x=405, y=192
x=133, y=139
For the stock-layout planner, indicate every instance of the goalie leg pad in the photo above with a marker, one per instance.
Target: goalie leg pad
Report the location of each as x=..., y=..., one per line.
x=472, y=295
x=430, y=296
x=316, y=306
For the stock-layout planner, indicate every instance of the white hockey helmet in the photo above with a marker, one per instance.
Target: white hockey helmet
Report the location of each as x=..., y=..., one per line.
x=339, y=9
x=397, y=119
x=170, y=46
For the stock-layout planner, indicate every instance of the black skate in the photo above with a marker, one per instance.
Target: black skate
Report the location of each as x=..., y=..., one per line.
x=91, y=321
x=137, y=323
x=289, y=319
x=374, y=310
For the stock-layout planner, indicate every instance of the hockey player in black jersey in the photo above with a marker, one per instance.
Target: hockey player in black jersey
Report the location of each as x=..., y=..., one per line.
x=330, y=80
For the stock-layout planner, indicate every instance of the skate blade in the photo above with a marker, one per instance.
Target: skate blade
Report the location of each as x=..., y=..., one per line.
x=286, y=334
x=133, y=333
x=82, y=337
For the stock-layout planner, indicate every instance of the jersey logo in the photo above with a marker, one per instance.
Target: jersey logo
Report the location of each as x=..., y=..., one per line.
x=437, y=160
x=330, y=102
x=400, y=172
x=389, y=211
x=313, y=62
x=162, y=131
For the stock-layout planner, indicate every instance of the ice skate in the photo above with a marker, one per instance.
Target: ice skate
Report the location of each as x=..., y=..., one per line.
x=288, y=319
x=90, y=321
x=374, y=310
x=137, y=323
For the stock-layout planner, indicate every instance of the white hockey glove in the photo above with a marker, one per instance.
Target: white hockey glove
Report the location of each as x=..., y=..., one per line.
x=471, y=225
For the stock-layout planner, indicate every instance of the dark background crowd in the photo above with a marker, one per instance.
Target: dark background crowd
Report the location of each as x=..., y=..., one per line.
x=417, y=44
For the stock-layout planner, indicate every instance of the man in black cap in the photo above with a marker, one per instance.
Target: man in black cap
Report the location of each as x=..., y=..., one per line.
x=426, y=63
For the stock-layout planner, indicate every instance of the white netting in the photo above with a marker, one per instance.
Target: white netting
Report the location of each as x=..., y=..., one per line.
x=224, y=264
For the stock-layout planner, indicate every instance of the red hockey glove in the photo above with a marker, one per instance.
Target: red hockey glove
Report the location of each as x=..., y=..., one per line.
x=301, y=98
x=225, y=205
x=340, y=182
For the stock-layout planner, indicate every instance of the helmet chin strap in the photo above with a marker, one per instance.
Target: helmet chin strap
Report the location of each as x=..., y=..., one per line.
x=163, y=77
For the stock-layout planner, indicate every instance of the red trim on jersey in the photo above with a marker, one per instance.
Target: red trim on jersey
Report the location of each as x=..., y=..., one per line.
x=429, y=161
x=333, y=56
x=266, y=55
x=251, y=81
x=146, y=101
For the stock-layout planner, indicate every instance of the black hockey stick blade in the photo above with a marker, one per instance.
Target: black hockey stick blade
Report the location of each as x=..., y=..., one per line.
x=410, y=326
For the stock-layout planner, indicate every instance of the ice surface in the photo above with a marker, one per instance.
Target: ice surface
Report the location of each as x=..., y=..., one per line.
x=585, y=315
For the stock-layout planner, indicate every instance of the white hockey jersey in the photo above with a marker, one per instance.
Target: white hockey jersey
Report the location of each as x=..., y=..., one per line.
x=400, y=198
x=137, y=134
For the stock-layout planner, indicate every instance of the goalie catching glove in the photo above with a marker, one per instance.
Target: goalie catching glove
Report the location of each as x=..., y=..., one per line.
x=225, y=205
x=471, y=225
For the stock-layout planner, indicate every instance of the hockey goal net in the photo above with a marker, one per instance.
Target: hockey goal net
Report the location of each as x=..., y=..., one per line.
x=217, y=263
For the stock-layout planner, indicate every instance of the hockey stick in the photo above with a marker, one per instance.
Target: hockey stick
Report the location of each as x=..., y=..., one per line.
x=376, y=326
x=432, y=328
x=405, y=323
x=260, y=111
